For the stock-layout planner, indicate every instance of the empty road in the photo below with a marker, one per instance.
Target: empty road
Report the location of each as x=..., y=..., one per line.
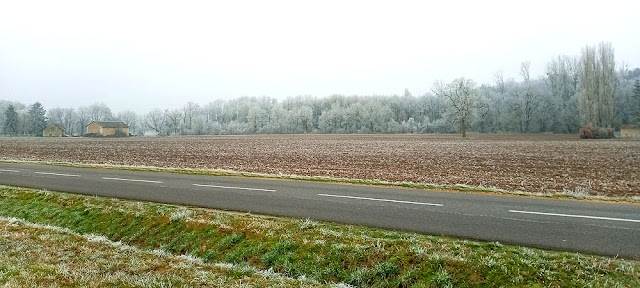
x=591, y=227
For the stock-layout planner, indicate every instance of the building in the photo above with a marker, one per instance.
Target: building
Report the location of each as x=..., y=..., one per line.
x=107, y=128
x=628, y=131
x=53, y=130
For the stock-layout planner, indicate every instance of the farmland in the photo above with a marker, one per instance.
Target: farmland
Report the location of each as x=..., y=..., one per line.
x=532, y=163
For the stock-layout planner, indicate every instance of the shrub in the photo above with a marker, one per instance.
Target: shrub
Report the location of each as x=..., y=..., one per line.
x=592, y=132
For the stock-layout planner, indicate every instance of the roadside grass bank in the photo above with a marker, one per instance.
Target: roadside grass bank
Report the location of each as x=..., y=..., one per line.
x=567, y=194
x=300, y=250
x=34, y=255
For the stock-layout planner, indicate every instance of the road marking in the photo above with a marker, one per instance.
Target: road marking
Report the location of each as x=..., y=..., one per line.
x=132, y=180
x=8, y=170
x=576, y=216
x=381, y=200
x=56, y=174
x=237, y=188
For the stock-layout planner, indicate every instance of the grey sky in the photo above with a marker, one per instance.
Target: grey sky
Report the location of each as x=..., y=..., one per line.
x=145, y=54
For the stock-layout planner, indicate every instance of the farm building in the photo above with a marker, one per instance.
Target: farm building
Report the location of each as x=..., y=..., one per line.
x=628, y=131
x=53, y=130
x=107, y=128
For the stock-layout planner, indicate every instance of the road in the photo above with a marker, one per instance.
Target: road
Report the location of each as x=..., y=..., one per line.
x=582, y=226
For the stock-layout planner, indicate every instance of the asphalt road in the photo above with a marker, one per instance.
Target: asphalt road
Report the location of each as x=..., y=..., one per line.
x=581, y=226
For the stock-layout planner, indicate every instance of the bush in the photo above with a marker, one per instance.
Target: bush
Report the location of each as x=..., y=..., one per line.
x=592, y=132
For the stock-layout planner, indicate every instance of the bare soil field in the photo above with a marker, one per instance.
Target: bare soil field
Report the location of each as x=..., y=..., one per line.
x=532, y=163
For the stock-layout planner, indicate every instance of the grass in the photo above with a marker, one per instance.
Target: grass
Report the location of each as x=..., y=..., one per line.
x=34, y=255
x=299, y=251
x=579, y=194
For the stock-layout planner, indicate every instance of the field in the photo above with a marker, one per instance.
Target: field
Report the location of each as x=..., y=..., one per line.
x=531, y=163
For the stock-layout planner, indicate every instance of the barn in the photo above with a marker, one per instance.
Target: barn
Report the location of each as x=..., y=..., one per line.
x=53, y=130
x=628, y=131
x=107, y=128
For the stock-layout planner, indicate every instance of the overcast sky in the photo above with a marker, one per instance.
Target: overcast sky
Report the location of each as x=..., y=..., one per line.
x=154, y=54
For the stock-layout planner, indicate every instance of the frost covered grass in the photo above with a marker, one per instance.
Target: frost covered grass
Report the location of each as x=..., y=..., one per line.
x=35, y=255
x=129, y=243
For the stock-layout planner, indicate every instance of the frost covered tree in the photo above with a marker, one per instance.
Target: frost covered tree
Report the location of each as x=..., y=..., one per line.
x=636, y=109
x=36, y=119
x=131, y=119
x=156, y=121
x=460, y=98
x=99, y=112
x=562, y=78
x=596, y=101
x=11, y=121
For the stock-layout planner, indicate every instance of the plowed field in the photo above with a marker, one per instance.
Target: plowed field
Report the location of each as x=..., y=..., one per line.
x=533, y=163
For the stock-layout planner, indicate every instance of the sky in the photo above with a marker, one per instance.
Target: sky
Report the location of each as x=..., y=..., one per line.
x=140, y=55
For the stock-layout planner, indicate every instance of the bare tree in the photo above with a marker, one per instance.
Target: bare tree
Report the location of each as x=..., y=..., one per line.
x=82, y=119
x=155, y=120
x=635, y=111
x=529, y=96
x=99, y=112
x=190, y=111
x=498, y=79
x=130, y=118
x=173, y=120
x=63, y=116
x=563, y=75
x=461, y=97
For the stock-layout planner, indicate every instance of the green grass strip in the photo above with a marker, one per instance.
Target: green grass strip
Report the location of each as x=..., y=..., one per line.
x=325, y=252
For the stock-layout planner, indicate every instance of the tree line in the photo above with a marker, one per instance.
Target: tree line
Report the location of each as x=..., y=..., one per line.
x=573, y=92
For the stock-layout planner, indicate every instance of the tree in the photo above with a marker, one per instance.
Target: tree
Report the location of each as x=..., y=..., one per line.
x=190, y=111
x=375, y=116
x=173, y=121
x=529, y=96
x=199, y=127
x=257, y=118
x=82, y=119
x=155, y=120
x=563, y=75
x=99, y=112
x=460, y=98
x=36, y=119
x=596, y=102
x=131, y=119
x=62, y=116
x=636, y=96
x=331, y=119
x=11, y=121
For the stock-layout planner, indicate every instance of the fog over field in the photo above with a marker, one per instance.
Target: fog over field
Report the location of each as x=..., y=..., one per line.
x=147, y=54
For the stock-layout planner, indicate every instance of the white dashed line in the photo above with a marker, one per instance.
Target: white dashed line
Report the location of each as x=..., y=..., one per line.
x=8, y=170
x=381, y=200
x=132, y=180
x=57, y=174
x=237, y=188
x=576, y=216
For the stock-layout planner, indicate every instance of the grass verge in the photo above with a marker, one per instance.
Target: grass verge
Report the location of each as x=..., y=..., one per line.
x=34, y=255
x=299, y=249
x=567, y=194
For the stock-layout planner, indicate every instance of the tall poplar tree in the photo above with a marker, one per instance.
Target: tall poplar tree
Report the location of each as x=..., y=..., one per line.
x=635, y=113
x=596, y=103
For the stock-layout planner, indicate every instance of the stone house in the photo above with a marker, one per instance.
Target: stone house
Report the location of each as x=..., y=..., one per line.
x=53, y=130
x=107, y=128
x=628, y=131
